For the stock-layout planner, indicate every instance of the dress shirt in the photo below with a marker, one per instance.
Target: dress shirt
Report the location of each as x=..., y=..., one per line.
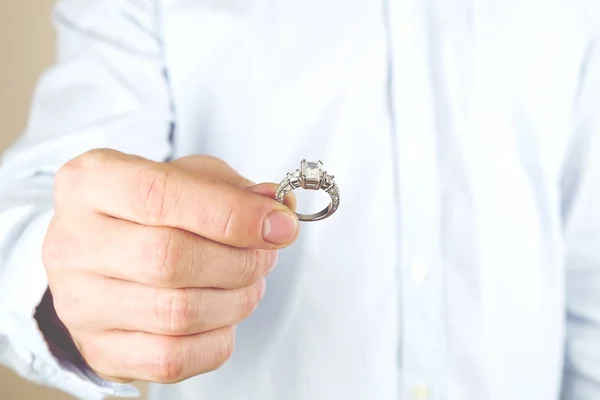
x=464, y=260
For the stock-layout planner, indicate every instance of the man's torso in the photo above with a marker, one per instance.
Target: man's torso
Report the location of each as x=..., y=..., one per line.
x=446, y=126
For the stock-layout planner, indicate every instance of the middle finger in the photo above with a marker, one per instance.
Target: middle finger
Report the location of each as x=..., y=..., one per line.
x=159, y=256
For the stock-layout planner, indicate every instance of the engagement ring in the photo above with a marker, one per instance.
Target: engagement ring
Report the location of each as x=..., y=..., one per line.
x=311, y=176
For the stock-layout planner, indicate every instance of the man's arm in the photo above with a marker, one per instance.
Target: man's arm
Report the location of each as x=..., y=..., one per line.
x=581, y=188
x=107, y=90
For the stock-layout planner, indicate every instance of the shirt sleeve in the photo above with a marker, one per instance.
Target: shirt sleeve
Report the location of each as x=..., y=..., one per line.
x=581, y=210
x=107, y=89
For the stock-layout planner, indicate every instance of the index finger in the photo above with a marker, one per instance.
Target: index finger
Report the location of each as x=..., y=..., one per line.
x=158, y=194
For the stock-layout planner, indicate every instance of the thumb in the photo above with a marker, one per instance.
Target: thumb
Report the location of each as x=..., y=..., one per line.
x=212, y=168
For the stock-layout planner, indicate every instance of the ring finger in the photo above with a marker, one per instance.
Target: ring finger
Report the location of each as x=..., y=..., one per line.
x=98, y=303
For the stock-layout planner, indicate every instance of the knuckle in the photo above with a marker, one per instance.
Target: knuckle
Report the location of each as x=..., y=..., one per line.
x=168, y=366
x=226, y=221
x=90, y=160
x=162, y=252
x=253, y=264
x=173, y=311
x=248, y=301
x=66, y=179
x=152, y=194
x=216, y=160
x=72, y=174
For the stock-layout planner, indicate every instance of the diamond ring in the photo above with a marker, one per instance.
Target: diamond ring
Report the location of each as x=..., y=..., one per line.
x=311, y=176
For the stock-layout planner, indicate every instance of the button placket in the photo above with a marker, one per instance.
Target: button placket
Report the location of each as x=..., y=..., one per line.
x=421, y=280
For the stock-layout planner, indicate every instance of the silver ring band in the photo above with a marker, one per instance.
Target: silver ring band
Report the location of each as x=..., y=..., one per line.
x=311, y=176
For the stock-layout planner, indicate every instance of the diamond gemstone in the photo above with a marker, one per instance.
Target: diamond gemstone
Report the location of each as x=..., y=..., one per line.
x=312, y=170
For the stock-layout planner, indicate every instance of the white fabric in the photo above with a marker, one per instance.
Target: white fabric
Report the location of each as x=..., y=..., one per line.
x=464, y=260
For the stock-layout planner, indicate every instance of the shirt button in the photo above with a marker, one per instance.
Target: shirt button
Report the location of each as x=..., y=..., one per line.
x=420, y=392
x=419, y=271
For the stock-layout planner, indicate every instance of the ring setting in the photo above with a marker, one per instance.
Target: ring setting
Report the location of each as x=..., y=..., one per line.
x=311, y=176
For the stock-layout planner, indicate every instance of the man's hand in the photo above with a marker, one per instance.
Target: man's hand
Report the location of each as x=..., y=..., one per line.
x=151, y=265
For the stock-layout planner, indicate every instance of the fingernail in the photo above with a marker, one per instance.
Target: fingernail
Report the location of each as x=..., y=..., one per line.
x=280, y=227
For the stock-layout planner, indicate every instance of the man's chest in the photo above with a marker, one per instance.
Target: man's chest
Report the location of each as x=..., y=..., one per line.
x=488, y=80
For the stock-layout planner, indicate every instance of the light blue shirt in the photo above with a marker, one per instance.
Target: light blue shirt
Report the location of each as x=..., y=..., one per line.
x=464, y=260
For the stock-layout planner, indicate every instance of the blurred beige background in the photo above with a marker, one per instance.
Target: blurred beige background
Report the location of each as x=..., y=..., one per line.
x=26, y=48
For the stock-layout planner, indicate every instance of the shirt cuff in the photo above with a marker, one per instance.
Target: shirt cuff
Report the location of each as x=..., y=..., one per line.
x=23, y=347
